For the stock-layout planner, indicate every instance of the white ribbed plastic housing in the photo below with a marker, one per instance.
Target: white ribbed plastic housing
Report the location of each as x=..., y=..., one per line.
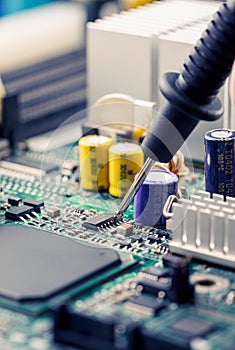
x=128, y=52
x=122, y=48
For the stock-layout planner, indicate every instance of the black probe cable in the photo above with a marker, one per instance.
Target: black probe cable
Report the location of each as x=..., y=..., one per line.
x=191, y=95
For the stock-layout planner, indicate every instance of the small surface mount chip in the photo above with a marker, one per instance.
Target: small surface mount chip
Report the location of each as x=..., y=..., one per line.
x=179, y=335
x=14, y=201
x=104, y=220
x=153, y=273
x=190, y=328
x=125, y=229
x=16, y=213
x=53, y=212
x=145, y=305
x=37, y=205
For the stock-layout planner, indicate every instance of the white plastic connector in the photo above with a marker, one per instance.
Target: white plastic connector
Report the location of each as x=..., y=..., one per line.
x=119, y=109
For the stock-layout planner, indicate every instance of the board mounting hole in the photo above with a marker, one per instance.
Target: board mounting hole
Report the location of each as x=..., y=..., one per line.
x=206, y=283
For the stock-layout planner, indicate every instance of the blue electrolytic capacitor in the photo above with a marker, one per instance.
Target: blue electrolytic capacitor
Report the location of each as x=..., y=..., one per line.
x=219, y=162
x=152, y=195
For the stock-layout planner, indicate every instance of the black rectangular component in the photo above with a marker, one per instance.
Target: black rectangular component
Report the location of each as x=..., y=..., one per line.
x=153, y=340
x=153, y=239
x=41, y=97
x=102, y=220
x=16, y=212
x=27, y=164
x=190, y=328
x=154, y=287
x=155, y=271
x=175, y=261
x=35, y=261
x=35, y=204
x=14, y=200
x=136, y=238
x=177, y=336
x=150, y=303
x=164, y=233
x=125, y=245
x=89, y=331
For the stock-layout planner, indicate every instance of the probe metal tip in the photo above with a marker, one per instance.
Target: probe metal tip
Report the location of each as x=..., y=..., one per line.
x=141, y=176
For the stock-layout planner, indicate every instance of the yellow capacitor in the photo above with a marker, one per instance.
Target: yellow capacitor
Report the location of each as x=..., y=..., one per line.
x=139, y=133
x=125, y=161
x=93, y=151
x=135, y=3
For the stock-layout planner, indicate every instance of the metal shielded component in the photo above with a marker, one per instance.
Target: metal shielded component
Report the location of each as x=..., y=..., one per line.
x=204, y=228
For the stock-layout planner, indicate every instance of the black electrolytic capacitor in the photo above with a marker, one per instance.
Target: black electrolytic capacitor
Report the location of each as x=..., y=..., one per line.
x=220, y=162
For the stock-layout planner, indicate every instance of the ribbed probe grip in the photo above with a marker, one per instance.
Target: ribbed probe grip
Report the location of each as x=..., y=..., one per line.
x=191, y=95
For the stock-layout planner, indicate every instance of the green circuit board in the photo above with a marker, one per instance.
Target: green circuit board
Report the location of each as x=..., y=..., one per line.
x=119, y=293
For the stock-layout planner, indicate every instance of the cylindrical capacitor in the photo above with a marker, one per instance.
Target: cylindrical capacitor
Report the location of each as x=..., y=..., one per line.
x=139, y=134
x=220, y=162
x=152, y=195
x=125, y=161
x=93, y=150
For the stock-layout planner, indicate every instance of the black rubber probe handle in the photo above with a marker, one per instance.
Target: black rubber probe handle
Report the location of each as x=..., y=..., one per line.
x=192, y=95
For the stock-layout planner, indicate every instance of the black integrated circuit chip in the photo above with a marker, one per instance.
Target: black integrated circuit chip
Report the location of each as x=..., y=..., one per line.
x=152, y=304
x=14, y=201
x=155, y=271
x=25, y=163
x=152, y=239
x=102, y=220
x=179, y=335
x=37, y=205
x=154, y=287
x=17, y=212
x=190, y=328
x=36, y=265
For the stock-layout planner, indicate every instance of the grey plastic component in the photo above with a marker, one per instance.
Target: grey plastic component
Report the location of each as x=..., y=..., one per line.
x=35, y=265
